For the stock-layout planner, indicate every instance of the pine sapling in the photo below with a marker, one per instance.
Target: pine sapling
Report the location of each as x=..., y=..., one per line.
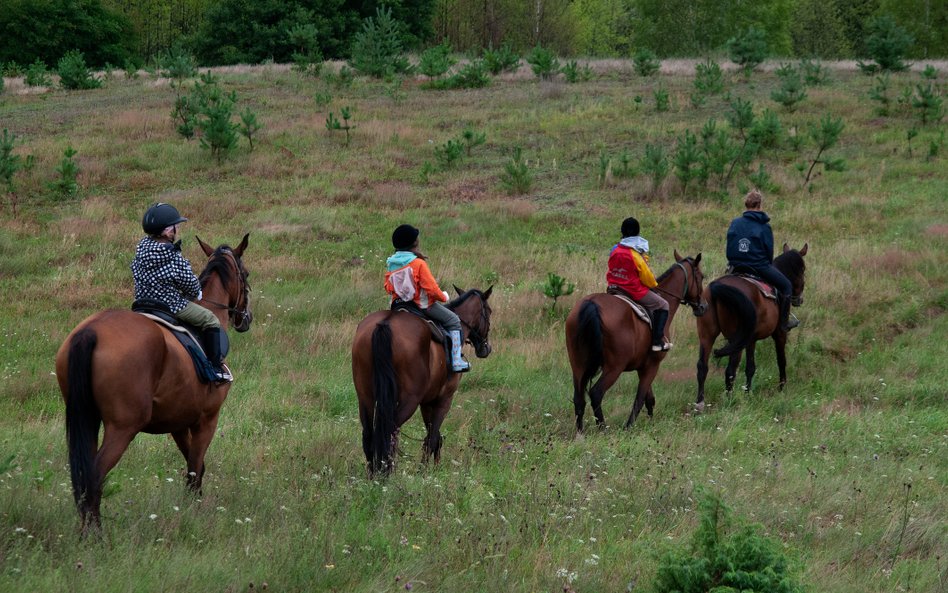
x=686, y=159
x=826, y=135
x=655, y=164
x=880, y=93
x=472, y=138
x=248, y=125
x=67, y=185
x=516, y=178
x=556, y=287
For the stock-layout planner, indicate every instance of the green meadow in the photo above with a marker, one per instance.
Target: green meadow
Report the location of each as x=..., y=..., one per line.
x=847, y=467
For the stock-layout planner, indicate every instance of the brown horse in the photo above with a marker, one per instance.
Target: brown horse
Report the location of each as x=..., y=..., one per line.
x=397, y=367
x=127, y=372
x=603, y=333
x=740, y=312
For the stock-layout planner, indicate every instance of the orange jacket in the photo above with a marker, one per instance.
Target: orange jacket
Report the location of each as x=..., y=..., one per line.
x=425, y=288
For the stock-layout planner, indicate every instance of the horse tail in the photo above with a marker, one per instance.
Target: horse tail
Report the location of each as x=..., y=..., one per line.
x=82, y=415
x=385, y=388
x=589, y=340
x=743, y=309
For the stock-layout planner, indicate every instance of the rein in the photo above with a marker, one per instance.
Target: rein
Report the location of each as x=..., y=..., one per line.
x=684, y=290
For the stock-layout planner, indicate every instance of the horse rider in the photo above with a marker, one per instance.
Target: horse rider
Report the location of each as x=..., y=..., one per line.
x=750, y=246
x=410, y=280
x=163, y=274
x=629, y=272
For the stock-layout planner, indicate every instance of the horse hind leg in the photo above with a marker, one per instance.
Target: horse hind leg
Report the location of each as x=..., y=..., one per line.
x=201, y=436
x=579, y=401
x=730, y=372
x=598, y=391
x=642, y=393
x=114, y=443
x=750, y=366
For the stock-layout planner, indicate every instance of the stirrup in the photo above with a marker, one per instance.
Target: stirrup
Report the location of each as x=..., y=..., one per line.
x=223, y=375
x=791, y=323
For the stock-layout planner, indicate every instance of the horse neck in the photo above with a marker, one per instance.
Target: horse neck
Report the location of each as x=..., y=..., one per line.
x=673, y=286
x=214, y=291
x=468, y=316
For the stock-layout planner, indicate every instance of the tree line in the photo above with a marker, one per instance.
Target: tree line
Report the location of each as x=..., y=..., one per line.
x=251, y=31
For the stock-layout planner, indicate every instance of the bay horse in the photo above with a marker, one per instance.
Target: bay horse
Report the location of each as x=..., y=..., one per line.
x=397, y=367
x=604, y=334
x=124, y=371
x=738, y=310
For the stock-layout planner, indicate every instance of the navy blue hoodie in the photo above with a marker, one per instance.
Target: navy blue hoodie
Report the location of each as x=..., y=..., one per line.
x=750, y=241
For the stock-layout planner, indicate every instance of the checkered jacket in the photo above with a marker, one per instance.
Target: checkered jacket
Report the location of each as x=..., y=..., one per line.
x=161, y=273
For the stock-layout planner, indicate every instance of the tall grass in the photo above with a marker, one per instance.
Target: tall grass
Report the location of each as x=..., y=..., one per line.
x=518, y=503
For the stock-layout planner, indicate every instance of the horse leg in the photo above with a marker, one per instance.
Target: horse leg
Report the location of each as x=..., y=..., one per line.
x=650, y=401
x=730, y=372
x=598, y=390
x=365, y=417
x=579, y=401
x=201, y=435
x=780, y=343
x=704, y=351
x=646, y=376
x=433, y=414
x=750, y=365
x=182, y=439
x=114, y=443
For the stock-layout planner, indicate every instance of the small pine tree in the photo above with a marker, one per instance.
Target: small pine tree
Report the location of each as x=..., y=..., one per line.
x=436, y=61
x=887, y=44
x=814, y=72
x=928, y=103
x=9, y=163
x=449, y=154
x=516, y=178
x=661, y=99
x=74, y=74
x=543, y=62
x=791, y=90
x=501, y=59
x=686, y=159
x=333, y=123
x=826, y=135
x=645, y=62
x=37, y=75
x=304, y=38
x=748, y=49
x=766, y=131
x=556, y=287
x=67, y=185
x=880, y=93
x=654, y=163
x=377, y=48
x=219, y=133
x=249, y=126
x=472, y=138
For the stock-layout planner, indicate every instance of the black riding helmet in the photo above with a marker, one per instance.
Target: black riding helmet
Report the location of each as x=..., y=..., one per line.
x=160, y=216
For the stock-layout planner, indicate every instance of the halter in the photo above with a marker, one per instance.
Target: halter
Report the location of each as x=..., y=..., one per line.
x=244, y=289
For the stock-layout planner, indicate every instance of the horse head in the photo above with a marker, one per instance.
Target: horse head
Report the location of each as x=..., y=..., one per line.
x=693, y=284
x=472, y=308
x=791, y=264
x=228, y=264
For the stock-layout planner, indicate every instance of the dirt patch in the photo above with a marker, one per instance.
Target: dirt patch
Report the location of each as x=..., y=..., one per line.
x=937, y=230
x=840, y=406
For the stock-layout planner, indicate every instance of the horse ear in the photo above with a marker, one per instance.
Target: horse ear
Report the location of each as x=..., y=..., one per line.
x=458, y=290
x=677, y=256
x=786, y=248
x=698, y=259
x=488, y=291
x=239, y=252
x=208, y=250
x=803, y=251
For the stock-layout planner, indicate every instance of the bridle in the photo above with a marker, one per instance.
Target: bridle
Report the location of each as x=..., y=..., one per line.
x=696, y=306
x=244, y=312
x=474, y=335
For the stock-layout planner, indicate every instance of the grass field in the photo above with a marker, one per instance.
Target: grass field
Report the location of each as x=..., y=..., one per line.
x=847, y=467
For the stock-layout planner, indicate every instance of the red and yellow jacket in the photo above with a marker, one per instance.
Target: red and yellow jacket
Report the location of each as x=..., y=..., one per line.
x=412, y=281
x=628, y=269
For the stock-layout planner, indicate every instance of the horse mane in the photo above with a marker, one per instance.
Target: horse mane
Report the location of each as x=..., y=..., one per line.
x=217, y=263
x=671, y=268
x=461, y=299
x=791, y=264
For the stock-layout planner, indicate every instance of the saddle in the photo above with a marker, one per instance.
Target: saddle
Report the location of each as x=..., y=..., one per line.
x=438, y=333
x=765, y=289
x=185, y=334
x=639, y=310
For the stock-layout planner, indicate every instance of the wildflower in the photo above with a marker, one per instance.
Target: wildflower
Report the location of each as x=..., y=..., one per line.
x=152, y=516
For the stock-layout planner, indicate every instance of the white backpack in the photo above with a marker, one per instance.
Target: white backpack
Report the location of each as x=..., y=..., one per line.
x=403, y=281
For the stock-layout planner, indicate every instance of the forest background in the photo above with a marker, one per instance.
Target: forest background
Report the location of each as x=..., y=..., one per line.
x=220, y=32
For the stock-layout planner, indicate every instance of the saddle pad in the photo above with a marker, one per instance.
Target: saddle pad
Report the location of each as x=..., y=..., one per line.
x=202, y=366
x=639, y=309
x=764, y=288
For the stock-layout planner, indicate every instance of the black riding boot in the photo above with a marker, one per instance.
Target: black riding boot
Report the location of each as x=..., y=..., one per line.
x=785, y=322
x=659, y=318
x=216, y=346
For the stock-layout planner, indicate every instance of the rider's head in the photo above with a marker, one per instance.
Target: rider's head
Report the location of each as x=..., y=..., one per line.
x=753, y=200
x=159, y=218
x=404, y=237
x=630, y=227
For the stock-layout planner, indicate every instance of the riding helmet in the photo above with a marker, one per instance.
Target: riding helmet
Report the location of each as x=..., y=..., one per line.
x=404, y=237
x=630, y=227
x=160, y=216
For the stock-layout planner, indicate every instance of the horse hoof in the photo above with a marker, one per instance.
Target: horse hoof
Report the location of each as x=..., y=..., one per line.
x=699, y=407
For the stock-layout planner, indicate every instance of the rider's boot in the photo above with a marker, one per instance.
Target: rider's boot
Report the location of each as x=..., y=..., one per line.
x=458, y=364
x=659, y=319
